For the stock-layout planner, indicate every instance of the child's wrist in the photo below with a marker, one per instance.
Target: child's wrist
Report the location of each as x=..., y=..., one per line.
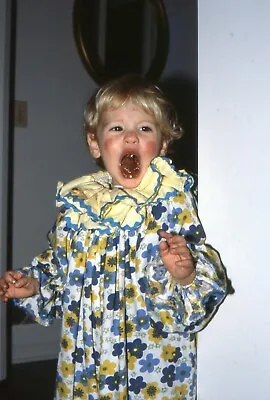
x=187, y=280
x=35, y=285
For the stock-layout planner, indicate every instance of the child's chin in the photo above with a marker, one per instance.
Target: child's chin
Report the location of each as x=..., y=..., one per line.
x=130, y=183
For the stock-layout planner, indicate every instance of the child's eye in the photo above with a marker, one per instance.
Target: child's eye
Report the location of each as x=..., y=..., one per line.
x=116, y=128
x=146, y=129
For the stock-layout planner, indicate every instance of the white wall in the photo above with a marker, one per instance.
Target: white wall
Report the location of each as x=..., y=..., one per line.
x=234, y=192
x=4, y=101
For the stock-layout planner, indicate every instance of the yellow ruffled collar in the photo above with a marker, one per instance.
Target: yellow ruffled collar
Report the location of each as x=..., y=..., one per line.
x=102, y=205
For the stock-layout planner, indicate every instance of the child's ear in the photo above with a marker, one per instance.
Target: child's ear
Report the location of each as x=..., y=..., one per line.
x=164, y=148
x=93, y=145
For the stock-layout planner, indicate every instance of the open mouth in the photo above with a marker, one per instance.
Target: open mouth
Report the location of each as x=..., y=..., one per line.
x=130, y=166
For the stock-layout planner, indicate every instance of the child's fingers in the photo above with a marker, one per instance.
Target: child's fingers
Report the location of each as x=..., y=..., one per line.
x=186, y=263
x=23, y=281
x=16, y=278
x=3, y=284
x=16, y=275
x=11, y=276
x=165, y=235
x=176, y=244
x=179, y=247
x=4, y=298
x=163, y=247
x=177, y=241
x=3, y=290
x=173, y=240
x=182, y=252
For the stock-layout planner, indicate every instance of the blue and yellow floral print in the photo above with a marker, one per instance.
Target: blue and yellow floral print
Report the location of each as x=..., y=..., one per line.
x=128, y=328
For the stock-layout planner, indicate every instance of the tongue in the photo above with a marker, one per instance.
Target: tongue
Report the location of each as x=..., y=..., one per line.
x=130, y=166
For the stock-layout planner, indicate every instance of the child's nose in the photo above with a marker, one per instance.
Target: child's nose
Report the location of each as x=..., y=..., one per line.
x=131, y=137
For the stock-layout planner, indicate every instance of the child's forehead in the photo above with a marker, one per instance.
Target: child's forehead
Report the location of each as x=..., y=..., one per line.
x=117, y=102
x=117, y=108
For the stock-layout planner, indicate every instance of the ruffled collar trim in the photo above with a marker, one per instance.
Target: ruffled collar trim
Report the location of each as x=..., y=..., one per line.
x=104, y=206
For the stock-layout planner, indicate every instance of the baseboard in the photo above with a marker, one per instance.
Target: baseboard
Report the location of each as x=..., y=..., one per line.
x=33, y=342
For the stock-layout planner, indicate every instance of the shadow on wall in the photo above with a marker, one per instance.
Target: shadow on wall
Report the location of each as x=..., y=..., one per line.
x=182, y=92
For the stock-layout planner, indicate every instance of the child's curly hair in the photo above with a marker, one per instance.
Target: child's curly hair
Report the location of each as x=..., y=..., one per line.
x=142, y=93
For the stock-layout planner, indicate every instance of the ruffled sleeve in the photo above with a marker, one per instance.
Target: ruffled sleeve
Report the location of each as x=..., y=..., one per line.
x=188, y=308
x=50, y=268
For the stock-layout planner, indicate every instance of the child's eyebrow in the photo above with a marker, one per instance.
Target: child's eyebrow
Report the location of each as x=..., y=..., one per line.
x=148, y=122
x=105, y=122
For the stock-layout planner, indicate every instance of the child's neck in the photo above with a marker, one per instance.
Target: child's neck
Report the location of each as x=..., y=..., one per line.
x=117, y=186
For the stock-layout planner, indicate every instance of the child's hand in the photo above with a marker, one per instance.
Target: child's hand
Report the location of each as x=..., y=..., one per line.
x=177, y=257
x=15, y=284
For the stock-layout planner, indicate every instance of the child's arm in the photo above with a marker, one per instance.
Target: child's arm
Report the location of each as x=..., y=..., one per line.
x=177, y=258
x=49, y=269
x=195, y=282
x=14, y=284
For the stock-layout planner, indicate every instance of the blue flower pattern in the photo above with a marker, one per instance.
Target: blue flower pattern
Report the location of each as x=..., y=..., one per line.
x=136, y=347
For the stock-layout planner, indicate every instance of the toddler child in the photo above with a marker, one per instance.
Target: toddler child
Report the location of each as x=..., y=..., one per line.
x=127, y=268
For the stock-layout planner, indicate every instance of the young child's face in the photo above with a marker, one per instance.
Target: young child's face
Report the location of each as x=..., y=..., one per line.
x=128, y=130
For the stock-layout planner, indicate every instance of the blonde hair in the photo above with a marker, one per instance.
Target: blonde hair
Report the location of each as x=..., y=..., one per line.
x=141, y=93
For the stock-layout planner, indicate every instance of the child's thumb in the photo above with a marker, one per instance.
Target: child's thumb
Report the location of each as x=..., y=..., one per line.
x=163, y=246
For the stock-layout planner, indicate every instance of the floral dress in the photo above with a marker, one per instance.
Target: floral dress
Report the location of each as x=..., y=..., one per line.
x=128, y=328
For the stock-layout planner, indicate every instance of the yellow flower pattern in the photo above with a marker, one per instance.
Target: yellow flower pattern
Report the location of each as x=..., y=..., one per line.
x=128, y=328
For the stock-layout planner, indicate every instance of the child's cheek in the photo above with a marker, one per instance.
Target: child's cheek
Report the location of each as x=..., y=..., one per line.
x=108, y=144
x=152, y=149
